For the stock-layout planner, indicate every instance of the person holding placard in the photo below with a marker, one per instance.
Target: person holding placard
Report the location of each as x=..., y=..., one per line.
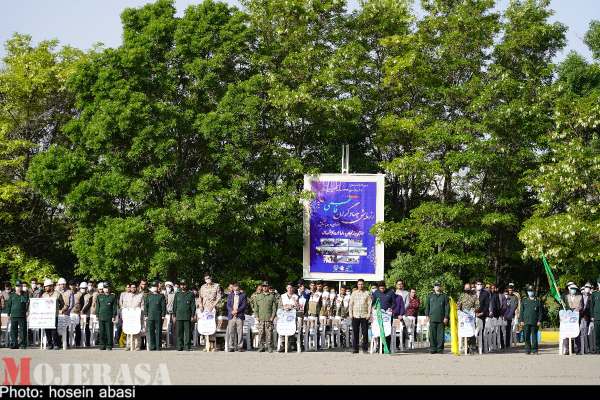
x=155, y=309
x=184, y=308
x=312, y=307
x=437, y=310
x=106, y=311
x=52, y=334
x=209, y=296
x=574, y=302
x=16, y=307
x=468, y=302
x=236, y=310
x=531, y=320
x=288, y=301
x=133, y=299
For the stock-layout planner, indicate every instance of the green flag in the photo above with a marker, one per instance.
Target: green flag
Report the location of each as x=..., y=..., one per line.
x=552, y=282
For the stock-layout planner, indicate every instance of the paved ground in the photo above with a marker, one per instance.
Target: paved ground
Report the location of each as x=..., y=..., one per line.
x=417, y=367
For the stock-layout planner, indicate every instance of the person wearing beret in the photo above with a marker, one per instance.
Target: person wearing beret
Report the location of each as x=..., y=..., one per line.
x=106, y=310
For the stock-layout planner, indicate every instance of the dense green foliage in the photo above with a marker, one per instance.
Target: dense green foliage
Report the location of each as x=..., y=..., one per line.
x=183, y=150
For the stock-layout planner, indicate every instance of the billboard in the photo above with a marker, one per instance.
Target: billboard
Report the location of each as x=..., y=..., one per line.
x=338, y=244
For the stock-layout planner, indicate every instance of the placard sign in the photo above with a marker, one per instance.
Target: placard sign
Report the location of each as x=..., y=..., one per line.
x=42, y=313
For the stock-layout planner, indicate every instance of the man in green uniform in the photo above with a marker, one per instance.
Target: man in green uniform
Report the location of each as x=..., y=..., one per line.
x=155, y=309
x=531, y=320
x=16, y=308
x=106, y=311
x=265, y=312
x=184, y=309
x=437, y=310
x=595, y=315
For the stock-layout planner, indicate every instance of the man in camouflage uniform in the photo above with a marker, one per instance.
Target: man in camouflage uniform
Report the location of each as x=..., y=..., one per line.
x=155, y=310
x=265, y=312
x=16, y=308
x=209, y=296
x=468, y=302
x=106, y=310
x=184, y=310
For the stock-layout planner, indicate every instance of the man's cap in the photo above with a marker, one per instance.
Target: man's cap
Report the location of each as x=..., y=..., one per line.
x=437, y=283
x=182, y=282
x=529, y=287
x=106, y=285
x=265, y=283
x=48, y=282
x=83, y=285
x=511, y=285
x=589, y=285
x=572, y=286
x=71, y=282
x=18, y=282
x=61, y=281
x=154, y=284
x=168, y=283
x=101, y=285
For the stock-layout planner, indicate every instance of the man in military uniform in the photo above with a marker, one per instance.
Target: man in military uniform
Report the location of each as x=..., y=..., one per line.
x=531, y=320
x=16, y=308
x=155, y=309
x=52, y=334
x=595, y=315
x=208, y=299
x=437, y=310
x=106, y=311
x=265, y=312
x=184, y=309
x=468, y=302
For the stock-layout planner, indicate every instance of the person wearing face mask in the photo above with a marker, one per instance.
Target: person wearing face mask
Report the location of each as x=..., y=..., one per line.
x=155, y=310
x=340, y=313
x=52, y=334
x=468, y=302
x=437, y=310
x=482, y=311
x=209, y=296
x=133, y=299
x=531, y=320
x=16, y=307
x=595, y=315
x=586, y=294
x=35, y=290
x=78, y=301
x=312, y=308
x=106, y=311
x=574, y=302
x=4, y=295
x=169, y=298
x=265, y=312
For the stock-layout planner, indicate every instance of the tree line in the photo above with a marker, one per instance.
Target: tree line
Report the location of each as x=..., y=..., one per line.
x=183, y=150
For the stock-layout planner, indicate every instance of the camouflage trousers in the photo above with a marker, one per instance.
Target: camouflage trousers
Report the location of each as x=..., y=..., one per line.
x=265, y=332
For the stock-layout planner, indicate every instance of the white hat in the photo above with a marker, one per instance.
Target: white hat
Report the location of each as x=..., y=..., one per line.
x=572, y=286
x=48, y=282
x=83, y=285
x=168, y=283
x=101, y=285
x=61, y=281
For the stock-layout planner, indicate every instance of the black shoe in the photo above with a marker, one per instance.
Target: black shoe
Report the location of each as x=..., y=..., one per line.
x=57, y=348
x=281, y=350
x=14, y=347
x=180, y=349
x=354, y=351
x=365, y=351
x=432, y=352
x=528, y=352
x=241, y=350
x=102, y=348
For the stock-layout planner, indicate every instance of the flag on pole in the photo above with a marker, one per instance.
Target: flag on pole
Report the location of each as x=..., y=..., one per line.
x=552, y=282
x=454, y=327
x=381, y=328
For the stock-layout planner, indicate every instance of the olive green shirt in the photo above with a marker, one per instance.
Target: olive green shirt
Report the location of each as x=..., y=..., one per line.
x=531, y=311
x=595, y=306
x=265, y=306
x=437, y=307
x=184, y=305
x=17, y=305
x=106, y=306
x=155, y=307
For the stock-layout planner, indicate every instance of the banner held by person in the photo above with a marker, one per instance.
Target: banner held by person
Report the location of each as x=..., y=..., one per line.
x=42, y=313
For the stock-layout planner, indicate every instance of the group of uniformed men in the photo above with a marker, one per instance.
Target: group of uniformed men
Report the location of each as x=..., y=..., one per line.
x=317, y=305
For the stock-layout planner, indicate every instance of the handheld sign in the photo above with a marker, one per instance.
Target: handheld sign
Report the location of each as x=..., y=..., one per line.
x=286, y=322
x=569, y=324
x=42, y=313
x=387, y=325
x=132, y=320
x=466, y=323
x=63, y=322
x=206, y=323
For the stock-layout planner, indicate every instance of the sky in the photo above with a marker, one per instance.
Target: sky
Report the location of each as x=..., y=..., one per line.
x=81, y=23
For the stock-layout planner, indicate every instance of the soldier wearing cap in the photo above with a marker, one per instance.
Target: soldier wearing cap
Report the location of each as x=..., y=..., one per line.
x=155, y=310
x=265, y=312
x=437, y=310
x=595, y=314
x=531, y=320
x=106, y=311
x=16, y=308
x=52, y=334
x=184, y=309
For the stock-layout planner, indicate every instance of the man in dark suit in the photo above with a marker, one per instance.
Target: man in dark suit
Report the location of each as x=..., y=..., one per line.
x=236, y=308
x=483, y=311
